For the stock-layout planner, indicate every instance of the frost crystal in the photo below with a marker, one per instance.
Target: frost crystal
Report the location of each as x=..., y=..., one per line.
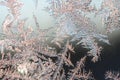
x=73, y=20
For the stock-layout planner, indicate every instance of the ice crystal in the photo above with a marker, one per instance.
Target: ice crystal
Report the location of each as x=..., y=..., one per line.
x=72, y=21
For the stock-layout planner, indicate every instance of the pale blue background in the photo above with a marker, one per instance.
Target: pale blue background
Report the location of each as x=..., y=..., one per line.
x=44, y=18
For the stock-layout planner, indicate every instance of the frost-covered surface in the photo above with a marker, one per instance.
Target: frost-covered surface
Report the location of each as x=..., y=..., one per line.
x=27, y=55
x=72, y=21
